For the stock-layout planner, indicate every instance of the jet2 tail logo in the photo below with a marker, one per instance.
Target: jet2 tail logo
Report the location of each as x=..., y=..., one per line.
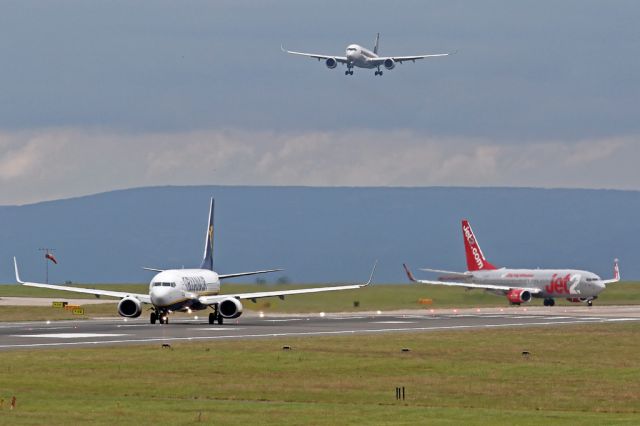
x=473, y=245
x=558, y=284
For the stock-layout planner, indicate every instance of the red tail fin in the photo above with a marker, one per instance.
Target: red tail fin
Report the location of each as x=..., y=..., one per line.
x=475, y=258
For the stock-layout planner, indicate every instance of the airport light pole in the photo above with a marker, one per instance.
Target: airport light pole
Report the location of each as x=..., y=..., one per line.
x=47, y=256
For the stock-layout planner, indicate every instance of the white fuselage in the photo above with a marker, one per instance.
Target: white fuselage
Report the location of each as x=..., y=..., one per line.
x=359, y=56
x=553, y=283
x=179, y=289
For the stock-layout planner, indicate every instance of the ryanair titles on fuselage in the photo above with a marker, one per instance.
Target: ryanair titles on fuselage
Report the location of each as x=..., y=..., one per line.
x=194, y=283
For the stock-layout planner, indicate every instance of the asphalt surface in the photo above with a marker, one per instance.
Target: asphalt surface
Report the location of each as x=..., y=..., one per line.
x=111, y=331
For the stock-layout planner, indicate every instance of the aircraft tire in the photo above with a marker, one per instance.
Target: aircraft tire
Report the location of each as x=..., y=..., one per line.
x=590, y=303
x=220, y=320
x=153, y=317
x=212, y=318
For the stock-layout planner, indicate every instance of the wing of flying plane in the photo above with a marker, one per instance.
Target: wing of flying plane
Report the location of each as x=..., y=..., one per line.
x=210, y=300
x=117, y=294
x=400, y=59
x=341, y=59
x=505, y=288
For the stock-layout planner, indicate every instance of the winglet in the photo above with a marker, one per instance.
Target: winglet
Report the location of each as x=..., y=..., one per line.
x=283, y=49
x=409, y=274
x=15, y=265
x=373, y=270
x=152, y=269
x=616, y=270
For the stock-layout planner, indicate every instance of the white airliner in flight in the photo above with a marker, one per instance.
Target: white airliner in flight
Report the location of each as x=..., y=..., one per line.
x=185, y=290
x=358, y=56
x=520, y=285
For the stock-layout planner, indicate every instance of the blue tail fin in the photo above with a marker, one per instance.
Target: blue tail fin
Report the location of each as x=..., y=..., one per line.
x=207, y=260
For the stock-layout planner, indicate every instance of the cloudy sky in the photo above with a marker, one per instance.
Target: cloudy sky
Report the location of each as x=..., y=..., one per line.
x=115, y=94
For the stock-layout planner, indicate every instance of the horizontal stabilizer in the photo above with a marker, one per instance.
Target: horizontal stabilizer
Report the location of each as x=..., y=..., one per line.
x=244, y=274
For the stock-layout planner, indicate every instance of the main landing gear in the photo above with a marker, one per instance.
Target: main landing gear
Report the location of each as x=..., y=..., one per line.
x=590, y=302
x=349, y=70
x=379, y=72
x=215, y=316
x=549, y=302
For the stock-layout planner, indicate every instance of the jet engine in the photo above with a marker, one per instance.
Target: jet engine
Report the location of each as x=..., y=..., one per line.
x=331, y=63
x=389, y=63
x=129, y=307
x=518, y=296
x=230, y=308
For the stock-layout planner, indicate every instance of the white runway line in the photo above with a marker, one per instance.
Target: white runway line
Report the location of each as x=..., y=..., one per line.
x=71, y=335
x=392, y=322
x=216, y=329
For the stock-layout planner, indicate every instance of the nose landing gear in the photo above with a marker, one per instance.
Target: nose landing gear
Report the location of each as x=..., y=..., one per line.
x=161, y=317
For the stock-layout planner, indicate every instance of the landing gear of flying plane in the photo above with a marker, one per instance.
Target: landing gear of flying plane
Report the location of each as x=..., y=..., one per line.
x=349, y=70
x=378, y=72
x=549, y=302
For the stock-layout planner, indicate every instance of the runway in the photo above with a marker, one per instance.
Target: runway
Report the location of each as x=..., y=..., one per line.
x=120, y=331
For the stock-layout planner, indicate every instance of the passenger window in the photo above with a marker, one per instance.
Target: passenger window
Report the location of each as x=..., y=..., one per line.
x=173, y=284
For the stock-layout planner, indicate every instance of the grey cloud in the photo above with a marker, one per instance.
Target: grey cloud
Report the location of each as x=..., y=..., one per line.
x=62, y=162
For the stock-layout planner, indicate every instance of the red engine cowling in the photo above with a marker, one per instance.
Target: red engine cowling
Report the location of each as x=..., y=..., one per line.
x=518, y=296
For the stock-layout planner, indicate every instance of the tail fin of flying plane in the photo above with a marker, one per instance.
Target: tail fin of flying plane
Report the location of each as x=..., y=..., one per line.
x=207, y=259
x=475, y=258
x=375, y=46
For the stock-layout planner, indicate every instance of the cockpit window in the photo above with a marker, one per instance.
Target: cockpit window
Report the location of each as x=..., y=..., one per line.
x=166, y=284
x=156, y=284
x=173, y=284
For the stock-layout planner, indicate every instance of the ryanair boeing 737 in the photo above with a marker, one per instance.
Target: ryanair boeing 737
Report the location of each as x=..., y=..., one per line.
x=358, y=56
x=184, y=290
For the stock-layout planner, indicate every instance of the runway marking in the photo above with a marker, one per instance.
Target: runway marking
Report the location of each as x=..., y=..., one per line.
x=313, y=333
x=285, y=320
x=392, y=322
x=216, y=329
x=71, y=335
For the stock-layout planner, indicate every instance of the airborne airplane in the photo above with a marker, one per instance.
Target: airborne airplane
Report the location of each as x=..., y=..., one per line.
x=520, y=285
x=185, y=290
x=358, y=56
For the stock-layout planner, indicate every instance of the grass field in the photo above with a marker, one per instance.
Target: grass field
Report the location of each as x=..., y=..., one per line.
x=377, y=296
x=586, y=374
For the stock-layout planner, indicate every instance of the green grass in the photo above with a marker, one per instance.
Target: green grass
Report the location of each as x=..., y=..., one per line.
x=584, y=374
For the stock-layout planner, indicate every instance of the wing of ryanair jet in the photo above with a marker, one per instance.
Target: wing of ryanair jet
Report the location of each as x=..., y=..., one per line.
x=117, y=294
x=210, y=300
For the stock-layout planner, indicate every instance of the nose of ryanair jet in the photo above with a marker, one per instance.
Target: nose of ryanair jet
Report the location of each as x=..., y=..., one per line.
x=160, y=296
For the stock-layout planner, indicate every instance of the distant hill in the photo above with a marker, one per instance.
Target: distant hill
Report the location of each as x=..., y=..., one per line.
x=319, y=234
